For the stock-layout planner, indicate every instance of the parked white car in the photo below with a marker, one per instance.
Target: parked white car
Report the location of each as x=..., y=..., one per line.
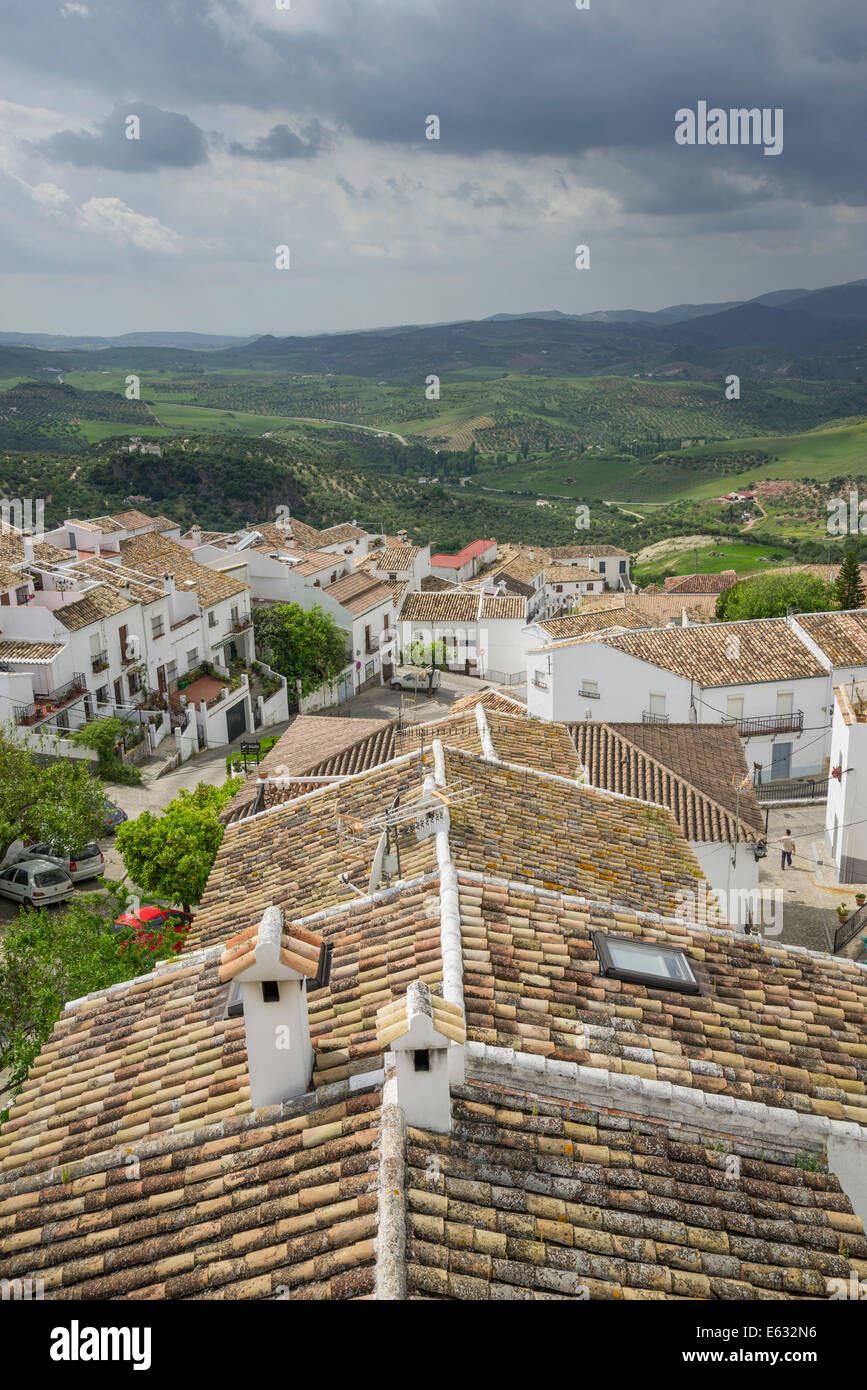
x=87, y=862
x=419, y=678
x=35, y=883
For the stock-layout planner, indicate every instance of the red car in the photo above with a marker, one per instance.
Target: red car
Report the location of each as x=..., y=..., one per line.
x=155, y=927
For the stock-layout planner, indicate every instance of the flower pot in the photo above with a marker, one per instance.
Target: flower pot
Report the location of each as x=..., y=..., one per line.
x=860, y=899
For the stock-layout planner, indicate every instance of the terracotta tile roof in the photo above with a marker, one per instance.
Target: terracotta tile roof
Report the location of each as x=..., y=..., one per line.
x=662, y=608
x=379, y=947
x=12, y=549
x=495, y=700
x=333, y=535
x=571, y=574
x=20, y=650
x=533, y=743
x=359, y=592
x=522, y=568
x=451, y=606
x=316, y=561
x=771, y=1025
x=272, y=940
x=316, y=746
x=503, y=606
x=131, y=520
x=9, y=576
x=701, y=583
x=598, y=620
x=469, y=552
x=395, y=557
x=291, y=856
x=841, y=636
x=219, y=1201
x=533, y=1198
x=142, y=587
x=393, y=1019
x=306, y=536
x=768, y=650
x=100, y=602
x=155, y=555
x=588, y=842
x=691, y=768
x=432, y=584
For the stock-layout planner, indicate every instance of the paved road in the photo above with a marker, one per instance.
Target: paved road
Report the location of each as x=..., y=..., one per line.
x=810, y=891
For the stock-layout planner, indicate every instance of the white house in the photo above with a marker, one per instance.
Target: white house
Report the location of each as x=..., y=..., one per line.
x=761, y=675
x=477, y=633
x=566, y=585
x=466, y=563
x=846, y=812
x=609, y=561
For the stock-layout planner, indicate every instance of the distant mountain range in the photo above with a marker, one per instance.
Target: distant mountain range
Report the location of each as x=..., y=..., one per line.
x=807, y=332
x=53, y=341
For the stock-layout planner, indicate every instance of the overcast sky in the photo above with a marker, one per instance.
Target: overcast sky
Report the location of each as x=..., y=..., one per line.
x=305, y=127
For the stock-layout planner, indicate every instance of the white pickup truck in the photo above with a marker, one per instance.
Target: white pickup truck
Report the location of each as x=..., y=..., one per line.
x=424, y=679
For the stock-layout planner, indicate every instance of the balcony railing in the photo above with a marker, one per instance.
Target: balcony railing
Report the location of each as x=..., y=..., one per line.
x=47, y=704
x=649, y=718
x=99, y=661
x=240, y=624
x=792, y=723
x=63, y=693
x=589, y=695
x=181, y=622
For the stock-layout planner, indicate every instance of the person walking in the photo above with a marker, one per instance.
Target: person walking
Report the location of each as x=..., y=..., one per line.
x=787, y=849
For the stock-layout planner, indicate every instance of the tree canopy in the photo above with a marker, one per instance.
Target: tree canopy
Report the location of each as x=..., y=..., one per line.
x=172, y=854
x=773, y=595
x=49, y=957
x=304, y=645
x=848, y=587
x=60, y=802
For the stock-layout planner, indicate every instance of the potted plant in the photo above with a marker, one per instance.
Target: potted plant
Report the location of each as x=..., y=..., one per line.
x=860, y=899
x=842, y=912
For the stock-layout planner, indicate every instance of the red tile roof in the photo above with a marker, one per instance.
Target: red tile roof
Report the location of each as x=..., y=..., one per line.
x=469, y=552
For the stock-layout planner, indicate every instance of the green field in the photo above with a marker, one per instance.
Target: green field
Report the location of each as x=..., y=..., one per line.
x=710, y=557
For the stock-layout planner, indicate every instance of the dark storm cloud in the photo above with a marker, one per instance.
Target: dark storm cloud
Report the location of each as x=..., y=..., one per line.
x=166, y=139
x=504, y=75
x=283, y=143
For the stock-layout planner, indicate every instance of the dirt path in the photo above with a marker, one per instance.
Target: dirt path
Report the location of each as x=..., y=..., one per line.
x=753, y=519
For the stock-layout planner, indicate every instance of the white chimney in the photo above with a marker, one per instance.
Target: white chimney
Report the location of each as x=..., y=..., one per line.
x=272, y=963
x=417, y=1029
x=196, y=534
x=27, y=543
x=531, y=554
x=168, y=583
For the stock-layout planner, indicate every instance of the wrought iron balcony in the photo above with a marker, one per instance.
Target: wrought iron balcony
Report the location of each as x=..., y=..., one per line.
x=589, y=695
x=99, y=661
x=648, y=718
x=792, y=723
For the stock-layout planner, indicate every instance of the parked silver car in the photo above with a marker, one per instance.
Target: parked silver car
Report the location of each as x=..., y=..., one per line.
x=420, y=678
x=35, y=883
x=87, y=862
